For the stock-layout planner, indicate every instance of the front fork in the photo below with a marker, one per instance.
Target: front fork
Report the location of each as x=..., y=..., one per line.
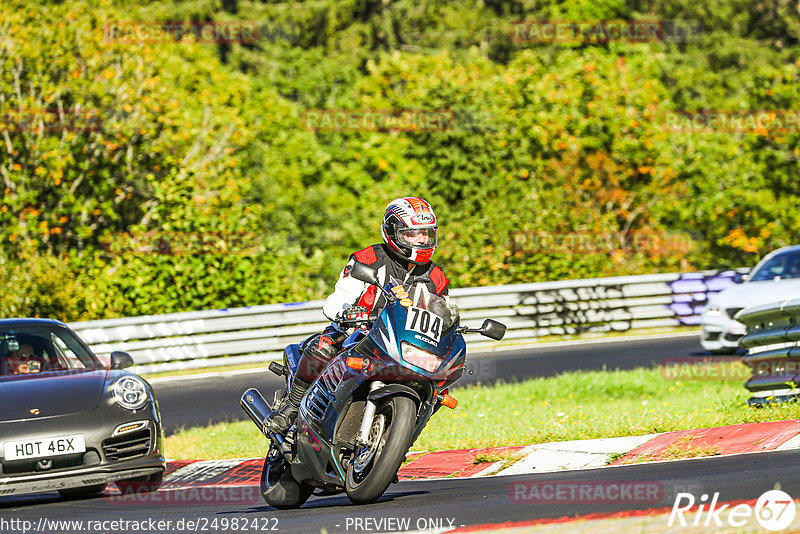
x=369, y=415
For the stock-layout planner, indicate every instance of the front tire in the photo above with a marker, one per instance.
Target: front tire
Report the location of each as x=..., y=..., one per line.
x=374, y=466
x=278, y=488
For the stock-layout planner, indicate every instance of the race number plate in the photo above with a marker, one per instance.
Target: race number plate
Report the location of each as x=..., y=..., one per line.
x=424, y=322
x=44, y=447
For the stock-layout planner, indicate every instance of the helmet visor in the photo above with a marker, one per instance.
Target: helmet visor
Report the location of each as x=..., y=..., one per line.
x=417, y=237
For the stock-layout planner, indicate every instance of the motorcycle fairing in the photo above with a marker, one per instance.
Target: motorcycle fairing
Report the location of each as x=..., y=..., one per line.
x=291, y=357
x=316, y=459
x=451, y=347
x=353, y=339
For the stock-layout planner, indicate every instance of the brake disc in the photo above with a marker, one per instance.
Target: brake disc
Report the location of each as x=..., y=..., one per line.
x=367, y=453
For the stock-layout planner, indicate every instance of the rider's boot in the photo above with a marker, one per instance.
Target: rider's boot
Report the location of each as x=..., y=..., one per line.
x=280, y=420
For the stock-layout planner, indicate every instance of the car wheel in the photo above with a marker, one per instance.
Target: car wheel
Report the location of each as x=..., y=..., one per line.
x=84, y=492
x=146, y=484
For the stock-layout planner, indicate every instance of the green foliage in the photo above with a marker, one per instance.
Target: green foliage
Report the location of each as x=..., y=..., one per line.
x=556, y=162
x=201, y=281
x=42, y=285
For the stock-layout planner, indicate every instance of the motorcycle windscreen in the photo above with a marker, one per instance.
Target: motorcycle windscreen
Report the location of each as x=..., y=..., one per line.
x=419, y=329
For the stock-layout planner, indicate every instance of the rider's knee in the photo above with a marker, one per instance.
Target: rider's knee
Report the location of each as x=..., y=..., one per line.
x=317, y=354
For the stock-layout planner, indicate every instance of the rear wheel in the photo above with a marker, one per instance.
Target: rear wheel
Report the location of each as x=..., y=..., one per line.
x=375, y=465
x=278, y=488
x=83, y=492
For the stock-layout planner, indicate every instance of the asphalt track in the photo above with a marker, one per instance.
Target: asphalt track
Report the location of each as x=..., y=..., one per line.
x=198, y=402
x=440, y=502
x=414, y=505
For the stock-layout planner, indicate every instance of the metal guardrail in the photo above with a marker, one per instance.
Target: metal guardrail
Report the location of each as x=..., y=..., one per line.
x=773, y=353
x=259, y=333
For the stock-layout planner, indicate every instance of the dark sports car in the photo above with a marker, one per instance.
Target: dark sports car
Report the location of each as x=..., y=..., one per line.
x=67, y=422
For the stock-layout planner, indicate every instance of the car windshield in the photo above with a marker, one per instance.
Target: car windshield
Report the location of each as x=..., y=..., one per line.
x=30, y=350
x=785, y=265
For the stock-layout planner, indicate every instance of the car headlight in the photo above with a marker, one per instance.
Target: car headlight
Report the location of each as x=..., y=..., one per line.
x=130, y=392
x=421, y=358
x=713, y=311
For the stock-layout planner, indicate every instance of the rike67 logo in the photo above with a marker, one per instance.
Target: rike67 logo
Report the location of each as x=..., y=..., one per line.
x=774, y=510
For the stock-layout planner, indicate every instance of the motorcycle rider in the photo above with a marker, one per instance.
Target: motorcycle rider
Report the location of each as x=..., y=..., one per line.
x=410, y=235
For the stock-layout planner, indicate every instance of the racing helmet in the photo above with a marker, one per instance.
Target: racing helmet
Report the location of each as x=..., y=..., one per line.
x=410, y=229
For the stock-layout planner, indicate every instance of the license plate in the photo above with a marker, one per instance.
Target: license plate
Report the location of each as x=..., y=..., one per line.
x=44, y=447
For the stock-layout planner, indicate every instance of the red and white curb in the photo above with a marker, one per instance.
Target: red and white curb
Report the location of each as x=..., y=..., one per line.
x=209, y=482
x=595, y=453
x=572, y=455
x=733, y=439
x=539, y=458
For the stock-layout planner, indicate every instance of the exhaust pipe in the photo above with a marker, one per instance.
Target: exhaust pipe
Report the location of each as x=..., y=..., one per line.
x=256, y=407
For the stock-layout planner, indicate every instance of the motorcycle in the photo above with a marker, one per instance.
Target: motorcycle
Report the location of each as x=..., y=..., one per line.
x=360, y=417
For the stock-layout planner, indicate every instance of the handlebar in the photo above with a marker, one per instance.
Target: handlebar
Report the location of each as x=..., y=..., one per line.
x=354, y=316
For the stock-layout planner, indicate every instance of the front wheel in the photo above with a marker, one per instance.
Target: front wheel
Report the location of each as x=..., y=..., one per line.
x=375, y=465
x=278, y=488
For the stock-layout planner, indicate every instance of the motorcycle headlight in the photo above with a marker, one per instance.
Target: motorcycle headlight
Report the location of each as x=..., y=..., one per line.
x=130, y=392
x=421, y=358
x=713, y=311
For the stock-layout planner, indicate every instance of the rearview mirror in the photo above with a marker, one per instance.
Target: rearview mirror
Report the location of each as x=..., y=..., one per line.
x=740, y=278
x=493, y=329
x=365, y=273
x=121, y=360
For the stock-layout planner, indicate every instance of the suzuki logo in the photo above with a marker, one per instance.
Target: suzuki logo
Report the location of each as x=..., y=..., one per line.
x=34, y=411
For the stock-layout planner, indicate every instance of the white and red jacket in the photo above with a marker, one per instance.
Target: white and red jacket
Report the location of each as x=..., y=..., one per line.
x=351, y=292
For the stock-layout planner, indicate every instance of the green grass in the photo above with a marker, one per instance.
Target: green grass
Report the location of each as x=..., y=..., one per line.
x=682, y=448
x=571, y=406
x=239, y=439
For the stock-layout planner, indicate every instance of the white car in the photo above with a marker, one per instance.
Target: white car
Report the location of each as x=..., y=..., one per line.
x=774, y=278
